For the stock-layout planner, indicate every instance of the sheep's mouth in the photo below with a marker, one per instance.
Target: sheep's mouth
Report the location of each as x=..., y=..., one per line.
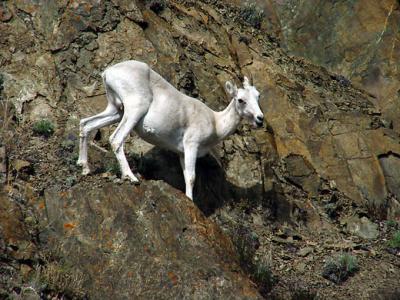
x=258, y=124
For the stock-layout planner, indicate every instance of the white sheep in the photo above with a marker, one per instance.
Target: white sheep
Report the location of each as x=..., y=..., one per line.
x=161, y=115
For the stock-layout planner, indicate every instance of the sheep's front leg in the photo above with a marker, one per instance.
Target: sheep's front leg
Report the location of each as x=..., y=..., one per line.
x=188, y=163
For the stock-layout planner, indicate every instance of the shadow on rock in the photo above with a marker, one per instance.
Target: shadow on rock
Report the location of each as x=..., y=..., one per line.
x=212, y=189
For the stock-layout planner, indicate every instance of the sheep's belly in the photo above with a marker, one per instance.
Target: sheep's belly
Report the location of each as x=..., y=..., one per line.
x=171, y=140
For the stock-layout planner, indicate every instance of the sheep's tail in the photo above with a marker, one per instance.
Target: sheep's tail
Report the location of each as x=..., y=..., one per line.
x=110, y=94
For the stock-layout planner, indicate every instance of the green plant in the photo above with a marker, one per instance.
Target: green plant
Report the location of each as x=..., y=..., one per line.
x=262, y=272
x=340, y=268
x=43, y=127
x=252, y=14
x=113, y=168
x=246, y=244
x=391, y=223
x=68, y=145
x=263, y=276
x=70, y=180
x=348, y=262
x=71, y=159
x=395, y=241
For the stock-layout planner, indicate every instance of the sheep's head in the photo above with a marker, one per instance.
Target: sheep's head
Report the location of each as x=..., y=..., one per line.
x=246, y=101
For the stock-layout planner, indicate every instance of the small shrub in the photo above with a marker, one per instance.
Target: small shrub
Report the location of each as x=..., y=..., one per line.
x=339, y=269
x=44, y=128
x=391, y=223
x=395, y=241
x=70, y=181
x=114, y=168
x=263, y=276
x=262, y=272
x=71, y=159
x=68, y=145
x=252, y=14
x=348, y=262
x=246, y=244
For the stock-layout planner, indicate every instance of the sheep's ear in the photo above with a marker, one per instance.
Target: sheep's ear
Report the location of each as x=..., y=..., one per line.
x=231, y=88
x=246, y=82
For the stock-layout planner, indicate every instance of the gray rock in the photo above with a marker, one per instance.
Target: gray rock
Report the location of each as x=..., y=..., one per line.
x=305, y=251
x=362, y=227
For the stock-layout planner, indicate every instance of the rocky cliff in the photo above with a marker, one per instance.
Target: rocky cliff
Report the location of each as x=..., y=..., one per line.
x=358, y=39
x=319, y=180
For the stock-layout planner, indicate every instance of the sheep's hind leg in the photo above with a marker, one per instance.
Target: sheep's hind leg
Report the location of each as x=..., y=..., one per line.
x=108, y=117
x=117, y=139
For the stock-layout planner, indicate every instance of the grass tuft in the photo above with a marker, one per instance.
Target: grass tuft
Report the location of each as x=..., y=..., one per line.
x=113, y=168
x=43, y=127
x=66, y=280
x=395, y=241
x=340, y=268
x=263, y=276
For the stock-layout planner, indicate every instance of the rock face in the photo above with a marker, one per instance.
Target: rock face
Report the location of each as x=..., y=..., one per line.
x=358, y=39
x=327, y=152
x=143, y=242
x=322, y=127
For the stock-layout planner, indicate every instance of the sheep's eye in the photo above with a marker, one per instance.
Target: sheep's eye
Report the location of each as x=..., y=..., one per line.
x=241, y=101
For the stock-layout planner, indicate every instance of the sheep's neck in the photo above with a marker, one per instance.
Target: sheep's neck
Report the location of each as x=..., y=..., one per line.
x=227, y=121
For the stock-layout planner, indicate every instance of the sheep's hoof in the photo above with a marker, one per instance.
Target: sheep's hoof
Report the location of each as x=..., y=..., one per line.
x=132, y=178
x=85, y=171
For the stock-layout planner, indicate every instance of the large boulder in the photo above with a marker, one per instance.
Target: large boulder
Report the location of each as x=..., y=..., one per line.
x=147, y=242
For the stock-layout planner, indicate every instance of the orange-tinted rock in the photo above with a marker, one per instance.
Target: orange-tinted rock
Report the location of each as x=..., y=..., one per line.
x=143, y=242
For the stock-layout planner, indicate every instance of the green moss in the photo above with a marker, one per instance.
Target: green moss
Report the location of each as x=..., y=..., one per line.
x=43, y=127
x=395, y=241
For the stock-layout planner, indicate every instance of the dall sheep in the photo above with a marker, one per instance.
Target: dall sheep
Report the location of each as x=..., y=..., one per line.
x=145, y=102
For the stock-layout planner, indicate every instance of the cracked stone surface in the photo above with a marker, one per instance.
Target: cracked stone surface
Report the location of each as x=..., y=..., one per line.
x=328, y=151
x=358, y=39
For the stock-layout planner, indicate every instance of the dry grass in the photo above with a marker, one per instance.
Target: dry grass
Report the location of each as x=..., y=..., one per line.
x=62, y=278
